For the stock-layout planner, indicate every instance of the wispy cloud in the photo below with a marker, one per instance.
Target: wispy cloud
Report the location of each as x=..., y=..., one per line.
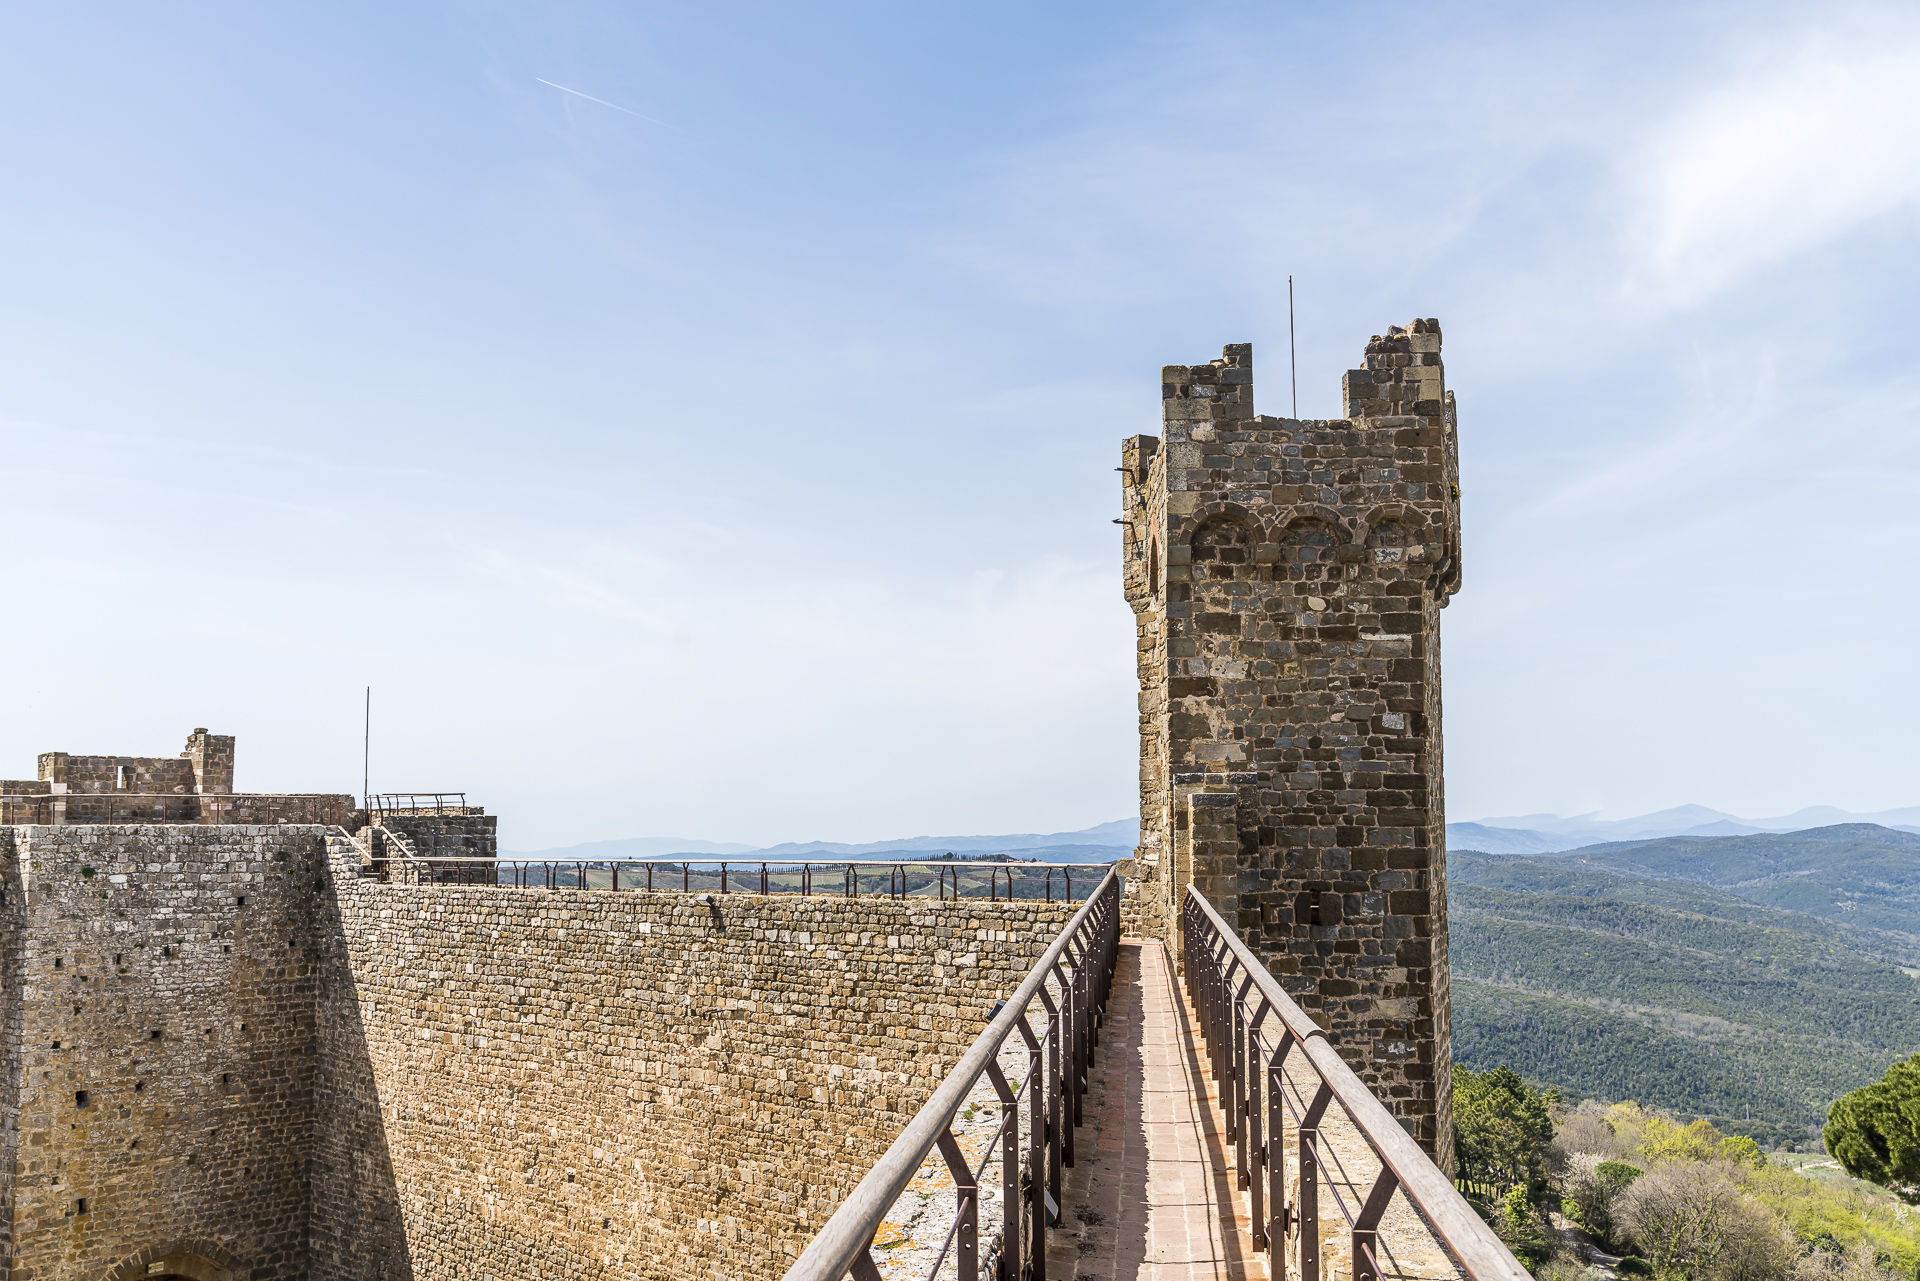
x=603, y=102
x=1816, y=136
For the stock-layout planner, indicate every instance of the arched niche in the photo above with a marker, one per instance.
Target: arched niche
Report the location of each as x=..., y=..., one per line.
x=176, y=1263
x=1222, y=549
x=1391, y=544
x=1307, y=551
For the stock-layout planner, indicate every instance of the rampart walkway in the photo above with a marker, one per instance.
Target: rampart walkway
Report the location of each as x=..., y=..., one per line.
x=1170, y=1122
x=1156, y=1201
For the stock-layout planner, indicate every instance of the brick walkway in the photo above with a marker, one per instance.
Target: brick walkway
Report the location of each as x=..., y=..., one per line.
x=1151, y=1197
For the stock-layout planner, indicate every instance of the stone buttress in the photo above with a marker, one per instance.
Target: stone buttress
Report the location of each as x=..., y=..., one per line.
x=1287, y=578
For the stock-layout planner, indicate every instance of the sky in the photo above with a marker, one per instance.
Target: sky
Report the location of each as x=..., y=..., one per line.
x=701, y=420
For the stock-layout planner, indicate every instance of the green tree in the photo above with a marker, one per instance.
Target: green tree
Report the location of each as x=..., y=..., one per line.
x=1874, y=1132
x=1501, y=1128
x=1522, y=1228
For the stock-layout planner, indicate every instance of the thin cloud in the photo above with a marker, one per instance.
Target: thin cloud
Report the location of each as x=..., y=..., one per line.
x=1810, y=144
x=603, y=102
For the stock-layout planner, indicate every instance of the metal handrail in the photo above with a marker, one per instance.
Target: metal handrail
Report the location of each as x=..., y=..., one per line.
x=1234, y=994
x=414, y=802
x=843, y=1244
x=495, y=871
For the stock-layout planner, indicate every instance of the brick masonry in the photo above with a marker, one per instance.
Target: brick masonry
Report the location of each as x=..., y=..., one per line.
x=360, y=1079
x=1287, y=578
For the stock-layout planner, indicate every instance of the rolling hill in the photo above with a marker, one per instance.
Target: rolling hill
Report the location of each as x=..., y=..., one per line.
x=1724, y=977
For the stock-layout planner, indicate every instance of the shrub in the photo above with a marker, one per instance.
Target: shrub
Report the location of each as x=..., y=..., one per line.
x=1690, y=1220
x=1594, y=1185
x=1523, y=1228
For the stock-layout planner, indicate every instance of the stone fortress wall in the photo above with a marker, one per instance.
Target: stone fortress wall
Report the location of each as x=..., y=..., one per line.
x=1286, y=578
x=232, y=1051
x=583, y=1083
x=159, y=989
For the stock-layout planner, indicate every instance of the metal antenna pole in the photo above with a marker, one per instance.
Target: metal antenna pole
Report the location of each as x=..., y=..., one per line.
x=1293, y=367
x=366, y=752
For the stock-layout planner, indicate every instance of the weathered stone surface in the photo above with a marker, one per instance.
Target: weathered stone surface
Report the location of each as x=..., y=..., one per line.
x=362, y=1079
x=157, y=1000
x=1286, y=578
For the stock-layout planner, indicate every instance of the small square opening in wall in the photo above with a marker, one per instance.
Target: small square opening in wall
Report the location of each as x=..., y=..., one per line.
x=226, y=1078
x=80, y=1098
x=240, y=900
x=80, y=1205
x=119, y=958
x=154, y=1035
x=139, y=1086
x=59, y=962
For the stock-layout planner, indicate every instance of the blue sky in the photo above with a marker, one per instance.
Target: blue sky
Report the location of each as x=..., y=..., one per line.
x=735, y=461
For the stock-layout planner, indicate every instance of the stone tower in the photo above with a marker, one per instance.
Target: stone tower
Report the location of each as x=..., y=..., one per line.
x=1287, y=578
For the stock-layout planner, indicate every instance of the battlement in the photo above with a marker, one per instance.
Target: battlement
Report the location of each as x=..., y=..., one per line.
x=1401, y=374
x=1219, y=391
x=194, y=787
x=205, y=767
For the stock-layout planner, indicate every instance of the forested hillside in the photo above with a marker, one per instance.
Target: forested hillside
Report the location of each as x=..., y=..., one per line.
x=1673, y=971
x=1852, y=872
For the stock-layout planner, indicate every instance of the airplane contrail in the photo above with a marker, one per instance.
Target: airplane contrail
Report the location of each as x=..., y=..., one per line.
x=603, y=102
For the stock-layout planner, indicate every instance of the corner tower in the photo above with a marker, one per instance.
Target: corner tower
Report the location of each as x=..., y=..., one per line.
x=1287, y=578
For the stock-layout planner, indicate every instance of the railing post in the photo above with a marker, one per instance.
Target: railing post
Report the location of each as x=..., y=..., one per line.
x=1036, y=1154
x=1009, y=1173
x=1070, y=993
x=966, y=1197
x=1243, y=1057
x=1278, y=1218
x=1054, y=1137
x=1065, y=1022
x=1307, y=1199
x=1366, y=1267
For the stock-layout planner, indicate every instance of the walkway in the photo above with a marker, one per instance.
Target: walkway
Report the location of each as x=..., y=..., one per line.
x=1152, y=1195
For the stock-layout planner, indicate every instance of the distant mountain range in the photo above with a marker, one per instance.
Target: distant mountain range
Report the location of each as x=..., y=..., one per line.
x=1518, y=834
x=1751, y=978
x=1550, y=833
x=1100, y=844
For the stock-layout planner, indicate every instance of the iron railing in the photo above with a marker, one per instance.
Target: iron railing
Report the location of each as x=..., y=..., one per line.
x=412, y=802
x=753, y=876
x=1274, y=1071
x=1080, y=962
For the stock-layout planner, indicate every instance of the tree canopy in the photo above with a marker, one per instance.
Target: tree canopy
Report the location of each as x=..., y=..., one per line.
x=1501, y=1128
x=1874, y=1132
